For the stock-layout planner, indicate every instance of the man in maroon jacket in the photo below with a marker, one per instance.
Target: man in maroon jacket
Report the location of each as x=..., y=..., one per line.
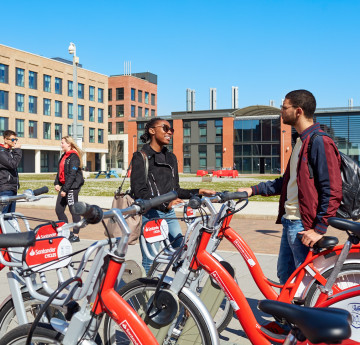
x=305, y=203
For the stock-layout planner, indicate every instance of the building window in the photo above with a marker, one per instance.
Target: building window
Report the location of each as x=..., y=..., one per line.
x=91, y=93
x=140, y=109
x=152, y=99
x=202, y=131
x=186, y=132
x=70, y=88
x=58, y=108
x=146, y=112
x=4, y=100
x=218, y=131
x=146, y=97
x=19, y=127
x=70, y=111
x=4, y=124
x=20, y=73
x=19, y=102
x=91, y=114
x=140, y=96
x=202, y=157
x=47, y=83
x=100, y=136
x=120, y=94
x=133, y=111
x=58, y=131
x=44, y=158
x=32, y=105
x=100, y=115
x=70, y=130
x=47, y=106
x=119, y=127
x=152, y=113
x=133, y=94
x=100, y=95
x=120, y=110
x=80, y=112
x=109, y=110
x=91, y=135
x=80, y=91
x=4, y=73
x=218, y=156
x=47, y=130
x=32, y=129
x=33, y=80
x=58, y=86
x=109, y=127
x=110, y=95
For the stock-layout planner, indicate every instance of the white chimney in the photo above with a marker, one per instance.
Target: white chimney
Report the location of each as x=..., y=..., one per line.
x=351, y=103
x=190, y=100
x=234, y=97
x=212, y=98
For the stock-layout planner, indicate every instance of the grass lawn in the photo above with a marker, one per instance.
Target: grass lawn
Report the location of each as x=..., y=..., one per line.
x=106, y=187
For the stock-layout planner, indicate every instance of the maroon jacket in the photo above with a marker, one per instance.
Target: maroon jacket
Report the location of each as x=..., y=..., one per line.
x=320, y=197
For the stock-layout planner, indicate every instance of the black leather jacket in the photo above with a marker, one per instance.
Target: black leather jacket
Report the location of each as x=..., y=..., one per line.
x=163, y=177
x=73, y=175
x=9, y=161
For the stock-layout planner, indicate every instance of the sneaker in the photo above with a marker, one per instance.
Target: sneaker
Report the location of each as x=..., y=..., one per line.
x=73, y=238
x=274, y=327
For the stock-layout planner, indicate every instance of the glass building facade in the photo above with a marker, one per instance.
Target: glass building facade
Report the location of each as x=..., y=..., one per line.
x=344, y=128
x=257, y=145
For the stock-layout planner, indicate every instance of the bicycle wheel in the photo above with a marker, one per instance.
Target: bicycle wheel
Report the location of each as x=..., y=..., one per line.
x=187, y=327
x=43, y=335
x=349, y=276
x=222, y=317
x=9, y=321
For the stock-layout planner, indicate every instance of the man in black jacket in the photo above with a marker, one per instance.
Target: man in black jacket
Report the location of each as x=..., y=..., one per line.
x=10, y=157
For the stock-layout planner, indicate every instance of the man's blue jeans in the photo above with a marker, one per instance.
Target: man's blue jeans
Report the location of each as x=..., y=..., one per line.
x=9, y=207
x=175, y=235
x=292, y=252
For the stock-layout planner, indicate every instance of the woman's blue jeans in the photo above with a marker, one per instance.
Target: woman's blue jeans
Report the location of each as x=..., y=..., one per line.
x=292, y=252
x=175, y=235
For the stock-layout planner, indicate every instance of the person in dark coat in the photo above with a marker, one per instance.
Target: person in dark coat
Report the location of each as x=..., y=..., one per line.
x=10, y=157
x=162, y=178
x=68, y=182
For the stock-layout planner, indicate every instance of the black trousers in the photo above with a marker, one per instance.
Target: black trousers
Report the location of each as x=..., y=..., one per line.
x=69, y=200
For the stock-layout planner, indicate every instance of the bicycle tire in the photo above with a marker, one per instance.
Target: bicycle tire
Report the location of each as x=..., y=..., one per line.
x=44, y=334
x=349, y=276
x=225, y=313
x=8, y=319
x=137, y=293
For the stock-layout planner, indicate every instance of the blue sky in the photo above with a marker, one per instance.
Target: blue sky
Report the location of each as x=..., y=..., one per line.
x=266, y=48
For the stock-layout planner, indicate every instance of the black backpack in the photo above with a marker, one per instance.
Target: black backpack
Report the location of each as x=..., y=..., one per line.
x=350, y=175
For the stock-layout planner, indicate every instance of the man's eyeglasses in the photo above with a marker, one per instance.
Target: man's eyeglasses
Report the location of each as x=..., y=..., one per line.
x=166, y=128
x=286, y=108
x=14, y=139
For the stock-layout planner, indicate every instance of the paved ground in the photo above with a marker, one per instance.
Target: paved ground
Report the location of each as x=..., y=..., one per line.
x=258, y=229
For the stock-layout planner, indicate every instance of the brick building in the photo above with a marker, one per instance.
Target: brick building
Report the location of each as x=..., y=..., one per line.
x=36, y=101
x=130, y=97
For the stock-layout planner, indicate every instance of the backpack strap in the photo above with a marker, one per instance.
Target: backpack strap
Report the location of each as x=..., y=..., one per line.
x=146, y=165
x=312, y=138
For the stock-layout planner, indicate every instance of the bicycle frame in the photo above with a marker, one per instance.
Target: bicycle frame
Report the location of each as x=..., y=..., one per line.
x=291, y=288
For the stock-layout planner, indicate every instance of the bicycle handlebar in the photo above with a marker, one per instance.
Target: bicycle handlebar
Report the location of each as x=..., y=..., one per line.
x=226, y=196
x=41, y=190
x=146, y=205
x=93, y=214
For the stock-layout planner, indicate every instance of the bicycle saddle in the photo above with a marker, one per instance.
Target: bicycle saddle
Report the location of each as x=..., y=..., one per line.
x=318, y=325
x=20, y=239
x=345, y=224
x=324, y=242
